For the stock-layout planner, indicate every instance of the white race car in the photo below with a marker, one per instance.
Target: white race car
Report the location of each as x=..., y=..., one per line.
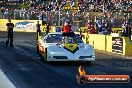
x=56, y=47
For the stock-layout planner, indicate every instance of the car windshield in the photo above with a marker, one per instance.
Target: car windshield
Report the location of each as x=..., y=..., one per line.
x=77, y=39
x=54, y=38
x=57, y=38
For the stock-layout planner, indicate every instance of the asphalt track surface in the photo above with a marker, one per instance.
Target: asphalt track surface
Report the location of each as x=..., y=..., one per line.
x=24, y=68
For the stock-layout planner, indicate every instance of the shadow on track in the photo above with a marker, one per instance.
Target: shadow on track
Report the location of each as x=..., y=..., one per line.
x=69, y=63
x=115, y=62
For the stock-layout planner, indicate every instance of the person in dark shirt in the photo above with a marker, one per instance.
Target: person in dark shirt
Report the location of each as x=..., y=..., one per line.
x=10, y=27
x=38, y=29
x=126, y=30
x=81, y=35
x=47, y=28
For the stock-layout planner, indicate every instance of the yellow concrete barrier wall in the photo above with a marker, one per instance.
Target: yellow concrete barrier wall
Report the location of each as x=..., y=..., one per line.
x=104, y=42
x=3, y=24
x=97, y=41
x=114, y=30
x=43, y=29
x=109, y=43
x=127, y=46
x=117, y=30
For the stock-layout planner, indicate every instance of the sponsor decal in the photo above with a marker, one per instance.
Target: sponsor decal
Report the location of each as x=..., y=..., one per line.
x=71, y=47
x=117, y=45
x=82, y=78
x=25, y=25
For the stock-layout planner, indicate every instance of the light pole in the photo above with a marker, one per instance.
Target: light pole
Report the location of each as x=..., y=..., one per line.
x=59, y=17
x=103, y=7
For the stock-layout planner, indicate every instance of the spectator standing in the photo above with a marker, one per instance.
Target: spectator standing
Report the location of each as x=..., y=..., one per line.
x=99, y=26
x=10, y=27
x=38, y=29
x=108, y=28
x=127, y=30
x=81, y=35
x=91, y=30
x=43, y=20
x=2, y=12
x=47, y=28
x=88, y=25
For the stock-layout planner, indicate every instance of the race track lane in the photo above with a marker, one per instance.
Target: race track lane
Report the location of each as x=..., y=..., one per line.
x=25, y=69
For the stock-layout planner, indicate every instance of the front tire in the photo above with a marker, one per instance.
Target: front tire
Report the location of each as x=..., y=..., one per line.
x=40, y=54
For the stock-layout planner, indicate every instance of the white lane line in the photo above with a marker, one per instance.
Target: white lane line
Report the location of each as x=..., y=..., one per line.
x=5, y=82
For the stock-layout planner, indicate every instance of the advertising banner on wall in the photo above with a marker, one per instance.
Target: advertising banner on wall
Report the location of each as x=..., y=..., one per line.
x=117, y=45
x=20, y=25
x=25, y=26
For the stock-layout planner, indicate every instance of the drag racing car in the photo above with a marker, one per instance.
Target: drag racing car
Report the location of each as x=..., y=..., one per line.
x=57, y=47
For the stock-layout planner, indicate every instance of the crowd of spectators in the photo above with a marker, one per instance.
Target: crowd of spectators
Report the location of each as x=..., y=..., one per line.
x=53, y=11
